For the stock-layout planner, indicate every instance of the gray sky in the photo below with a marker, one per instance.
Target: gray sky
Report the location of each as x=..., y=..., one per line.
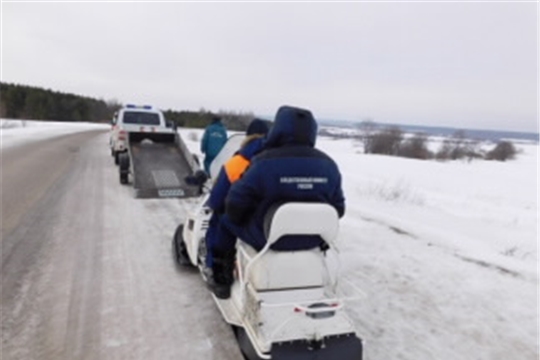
x=459, y=64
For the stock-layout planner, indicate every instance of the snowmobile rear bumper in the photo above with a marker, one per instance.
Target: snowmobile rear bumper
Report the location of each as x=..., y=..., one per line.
x=342, y=347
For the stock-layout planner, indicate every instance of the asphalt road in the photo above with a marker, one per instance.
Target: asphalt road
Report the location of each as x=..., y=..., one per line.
x=87, y=271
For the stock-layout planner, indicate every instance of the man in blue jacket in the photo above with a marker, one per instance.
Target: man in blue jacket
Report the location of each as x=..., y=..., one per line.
x=230, y=172
x=215, y=136
x=289, y=168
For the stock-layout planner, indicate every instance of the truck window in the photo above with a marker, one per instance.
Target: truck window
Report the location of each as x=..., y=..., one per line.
x=140, y=118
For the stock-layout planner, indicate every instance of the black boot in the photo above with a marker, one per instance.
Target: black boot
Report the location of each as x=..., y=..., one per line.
x=222, y=274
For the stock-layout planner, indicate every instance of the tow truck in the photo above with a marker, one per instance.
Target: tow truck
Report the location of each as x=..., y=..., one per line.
x=148, y=148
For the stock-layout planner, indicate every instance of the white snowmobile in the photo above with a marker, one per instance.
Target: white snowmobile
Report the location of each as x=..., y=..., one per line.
x=283, y=304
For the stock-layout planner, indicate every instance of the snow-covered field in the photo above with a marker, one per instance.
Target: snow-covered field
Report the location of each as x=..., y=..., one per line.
x=446, y=250
x=447, y=253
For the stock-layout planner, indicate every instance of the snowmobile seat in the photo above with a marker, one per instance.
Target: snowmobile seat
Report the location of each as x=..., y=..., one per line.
x=280, y=270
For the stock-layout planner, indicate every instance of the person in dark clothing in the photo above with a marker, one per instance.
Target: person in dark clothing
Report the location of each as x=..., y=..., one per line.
x=231, y=171
x=215, y=136
x=289, y=168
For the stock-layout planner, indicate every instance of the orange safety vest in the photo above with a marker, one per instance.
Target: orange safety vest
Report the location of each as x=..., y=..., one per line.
x=235, y=167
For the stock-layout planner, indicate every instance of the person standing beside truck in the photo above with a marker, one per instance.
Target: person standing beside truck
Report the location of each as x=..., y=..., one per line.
x=215, y=136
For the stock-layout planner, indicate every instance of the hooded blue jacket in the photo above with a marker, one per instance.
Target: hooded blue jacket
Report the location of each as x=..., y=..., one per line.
x=289, y=168
x=215, y=136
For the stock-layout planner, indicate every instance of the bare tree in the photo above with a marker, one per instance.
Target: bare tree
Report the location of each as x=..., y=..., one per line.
x=366, y=129
x=459, y=140
x=454, y=148
x=415, y=147
x=473, y=150
x=445, y=150
x=503, y=151
x=386, y=141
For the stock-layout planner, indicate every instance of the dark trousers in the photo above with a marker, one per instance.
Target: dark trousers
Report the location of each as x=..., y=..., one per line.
x=210, y=238
x=207, y=161
x=221, y=237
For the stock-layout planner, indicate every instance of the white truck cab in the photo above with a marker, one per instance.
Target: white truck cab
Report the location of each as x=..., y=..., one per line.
x=135, y=119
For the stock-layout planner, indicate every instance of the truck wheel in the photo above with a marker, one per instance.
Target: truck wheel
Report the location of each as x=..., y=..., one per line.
x=179, y=247
x=123, y=165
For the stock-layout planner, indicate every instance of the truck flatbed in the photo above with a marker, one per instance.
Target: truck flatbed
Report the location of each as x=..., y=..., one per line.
x=160, y=170
x=159, y=164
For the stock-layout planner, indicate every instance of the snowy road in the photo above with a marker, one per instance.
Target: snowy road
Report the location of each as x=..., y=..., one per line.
x=87, y=271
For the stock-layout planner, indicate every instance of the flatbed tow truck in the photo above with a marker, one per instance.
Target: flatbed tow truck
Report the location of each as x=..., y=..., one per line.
x=149, y=149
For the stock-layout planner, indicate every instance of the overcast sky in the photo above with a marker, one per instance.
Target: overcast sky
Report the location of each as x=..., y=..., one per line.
x=458, y=64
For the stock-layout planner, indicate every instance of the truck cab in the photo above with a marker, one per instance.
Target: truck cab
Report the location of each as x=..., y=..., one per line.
x=135, y=119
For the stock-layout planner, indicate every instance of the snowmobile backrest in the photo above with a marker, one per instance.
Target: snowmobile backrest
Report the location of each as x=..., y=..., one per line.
x=296, y=218
x=270, y=270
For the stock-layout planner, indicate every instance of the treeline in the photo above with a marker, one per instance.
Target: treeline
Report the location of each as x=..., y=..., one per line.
x=27, y=102
x=33, y=103
x=392, y=141
x=199, y=119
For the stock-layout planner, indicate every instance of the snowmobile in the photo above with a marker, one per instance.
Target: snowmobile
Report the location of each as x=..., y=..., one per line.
x=284, y=304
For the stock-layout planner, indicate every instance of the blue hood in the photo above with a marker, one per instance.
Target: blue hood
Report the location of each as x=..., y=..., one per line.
x=292, y=126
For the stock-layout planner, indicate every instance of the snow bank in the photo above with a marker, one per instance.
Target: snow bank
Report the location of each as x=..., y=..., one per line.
x=18, y=132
